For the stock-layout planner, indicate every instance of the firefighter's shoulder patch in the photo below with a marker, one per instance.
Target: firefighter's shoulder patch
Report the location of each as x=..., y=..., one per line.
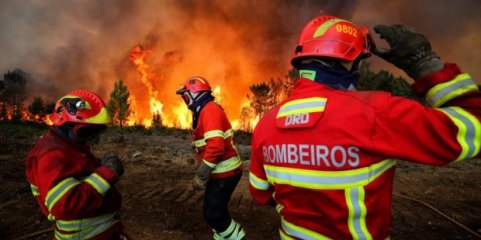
x=301, y=113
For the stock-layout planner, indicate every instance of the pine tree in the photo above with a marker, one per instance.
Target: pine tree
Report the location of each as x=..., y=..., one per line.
x=15, y=91
x=262, y=99
x=156, y=122
x=36, y=109
x=118, y=106
x=3, y=102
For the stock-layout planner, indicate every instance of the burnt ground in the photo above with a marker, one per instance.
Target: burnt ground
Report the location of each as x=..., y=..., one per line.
x=159, y=204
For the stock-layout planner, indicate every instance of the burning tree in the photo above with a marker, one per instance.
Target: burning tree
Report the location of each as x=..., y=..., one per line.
x=37, y=109
x=246, y=117
x=118, y=105
x=266, y=95
x=156, y=120
x=3, y=105
x=262, y=99
x=14, y=93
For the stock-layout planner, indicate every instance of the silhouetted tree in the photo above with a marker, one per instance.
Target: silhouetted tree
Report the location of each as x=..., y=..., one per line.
x=291, y=77
x=246, y=119
x=262, y=99
x=156, y=122
x=3, y=102
x=15, y=83
x=118, y=105
x=36, y=109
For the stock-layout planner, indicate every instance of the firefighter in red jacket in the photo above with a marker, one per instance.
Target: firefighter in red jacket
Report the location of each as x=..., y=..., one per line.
x=75, y=189
x=326, y=156
x=219, y=167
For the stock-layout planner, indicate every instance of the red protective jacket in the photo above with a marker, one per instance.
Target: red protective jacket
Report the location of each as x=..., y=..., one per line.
x=327, y=157
x=73, y=189
x=214, y=140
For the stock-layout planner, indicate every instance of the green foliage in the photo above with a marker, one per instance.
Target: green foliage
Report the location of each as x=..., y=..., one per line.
x=384, y=81
x=264, y=96
x=36, y=108
x=118, y=105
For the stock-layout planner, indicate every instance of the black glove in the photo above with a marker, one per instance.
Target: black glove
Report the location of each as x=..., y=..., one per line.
x=201, y=176
x=113, y=162
x=410, y=50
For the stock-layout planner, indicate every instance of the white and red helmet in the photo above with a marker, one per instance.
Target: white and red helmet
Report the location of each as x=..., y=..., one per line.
x=80, y=106
x=192, y=88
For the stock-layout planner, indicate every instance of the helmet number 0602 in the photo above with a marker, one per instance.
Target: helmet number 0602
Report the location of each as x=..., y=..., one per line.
x=346, y=29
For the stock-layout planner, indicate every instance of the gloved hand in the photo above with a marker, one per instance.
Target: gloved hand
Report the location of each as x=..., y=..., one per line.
x=113, y=162
x=201, y=176
x=409, y=50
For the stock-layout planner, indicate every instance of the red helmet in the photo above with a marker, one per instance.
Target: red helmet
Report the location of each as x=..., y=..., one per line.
x=194, y=85
x=329, y=36
x=192, y=89
x=80, y=106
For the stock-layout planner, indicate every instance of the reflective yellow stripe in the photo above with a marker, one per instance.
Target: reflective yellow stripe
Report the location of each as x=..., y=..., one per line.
x=213, y=133
x=325, y=26
x=443, y=92
x=469, y=131
x=258, y=183
x=305, y=105
x=233, y=232
x=229, y=229
x=229, y=133
x=58, y=191
x=82, y=224
x=300, y=232
x=227, y=165
x=313, y=179
x=34, y=190
x=279, y=208
x=199, y=143
x=357, y=213
x=98, y=183
x=87, y=233
x=284, y=236
x=212, y=165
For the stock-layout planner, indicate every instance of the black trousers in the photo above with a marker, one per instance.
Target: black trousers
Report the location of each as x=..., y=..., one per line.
x=216, y=200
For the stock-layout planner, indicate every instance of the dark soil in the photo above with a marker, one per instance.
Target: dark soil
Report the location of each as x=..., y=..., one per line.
x=158, y=202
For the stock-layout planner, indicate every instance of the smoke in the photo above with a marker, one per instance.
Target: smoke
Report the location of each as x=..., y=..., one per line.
x=66, y=45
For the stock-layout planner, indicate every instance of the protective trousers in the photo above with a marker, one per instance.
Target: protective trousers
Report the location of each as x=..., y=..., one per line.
x=216, y=213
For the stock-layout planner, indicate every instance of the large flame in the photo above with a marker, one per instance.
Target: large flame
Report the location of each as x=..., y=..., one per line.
x=138, y=58
x=179, y=115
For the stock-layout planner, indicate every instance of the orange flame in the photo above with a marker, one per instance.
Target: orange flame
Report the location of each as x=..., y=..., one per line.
x=177, y=115
x=137, y=57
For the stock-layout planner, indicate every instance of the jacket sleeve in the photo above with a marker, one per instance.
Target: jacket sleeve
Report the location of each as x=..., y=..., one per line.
x=213, y=124
x=448, y=130
x=259, y=187
x=67, y=196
